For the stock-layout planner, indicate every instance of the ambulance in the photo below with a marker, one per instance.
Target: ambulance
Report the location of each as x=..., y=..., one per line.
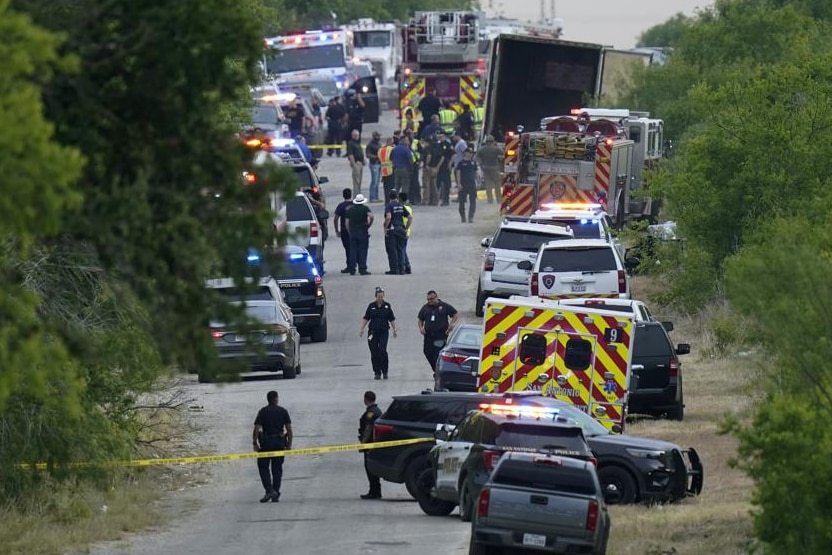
x=578, y=354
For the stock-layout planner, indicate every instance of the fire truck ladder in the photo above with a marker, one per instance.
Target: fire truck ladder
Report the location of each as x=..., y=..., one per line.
x=446, y=37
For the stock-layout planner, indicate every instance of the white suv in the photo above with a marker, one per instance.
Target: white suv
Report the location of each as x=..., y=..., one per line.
x=578, y=268
x=512, y=243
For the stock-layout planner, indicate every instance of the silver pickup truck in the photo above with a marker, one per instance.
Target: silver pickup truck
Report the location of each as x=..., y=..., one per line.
x=539, y=503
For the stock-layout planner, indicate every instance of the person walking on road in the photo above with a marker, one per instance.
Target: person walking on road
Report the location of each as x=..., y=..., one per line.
x=386, y=169
x=355, y=154
x=466, y=178
x=272, y=432
x=365, y=435
x=408, y=223
x=436, y=319
x=379, y=318
x=443, y=172
x=372, y=152
x=340, y=224
x=359, y=219
x=402, y=159
x=490, y=158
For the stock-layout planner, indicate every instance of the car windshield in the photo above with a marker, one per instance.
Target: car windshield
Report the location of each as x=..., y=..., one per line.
x=522, y=240
x=583, y=229
x=576, y=417
x=304, y=175
x=299, y=59
x=578, y=259
x=298, y=210
x=264, y=114
x=650, y=340
x=364, y=39
x=545, y=475
x=262, y=293
x=467, y=337
x=559, y=440
x=296, y=265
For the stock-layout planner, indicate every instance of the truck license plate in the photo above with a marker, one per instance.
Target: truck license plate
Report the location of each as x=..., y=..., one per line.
x=579, y=288
x=534, y=540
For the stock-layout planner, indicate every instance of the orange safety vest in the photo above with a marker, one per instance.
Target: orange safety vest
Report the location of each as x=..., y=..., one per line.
x=384, y=157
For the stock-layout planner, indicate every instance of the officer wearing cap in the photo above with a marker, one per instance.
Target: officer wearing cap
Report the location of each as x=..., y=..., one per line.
x=379, y=318
x=365, y=435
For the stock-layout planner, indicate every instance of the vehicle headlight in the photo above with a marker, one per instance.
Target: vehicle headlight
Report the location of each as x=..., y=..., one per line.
x=652, y=454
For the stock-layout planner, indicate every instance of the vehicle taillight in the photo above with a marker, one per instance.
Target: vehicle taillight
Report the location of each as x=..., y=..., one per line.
x=319, y=290
x=593, y=302
x=674, y=367
x=593, y=461
x=380, y=430
x=488, y=265
x=448, y=356
x=313, y=229
x=622, y=281
x=482, y=505
x=533, y=284
x=490, y=458
x=217, y=334
x=592, y=516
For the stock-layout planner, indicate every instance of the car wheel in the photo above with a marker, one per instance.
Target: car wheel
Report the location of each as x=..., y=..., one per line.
x=412, y=472
x=478, y=309
x=678, y=412
x=297, y=369
x=466, y=502
x=429, y=504
x=618, y=485
x=289, y=373
x=319, y=333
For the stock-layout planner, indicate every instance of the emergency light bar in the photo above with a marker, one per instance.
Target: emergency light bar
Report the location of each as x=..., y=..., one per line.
x=515, y=410
x=304, y=37
x=577, y=206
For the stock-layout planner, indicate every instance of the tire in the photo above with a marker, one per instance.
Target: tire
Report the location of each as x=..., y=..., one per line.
x=678, y=412
x=289, y=373
x=626, y=490
x=319, y=333
x=466, y=502
x=478, y=309
x=429, y=504
x=297, y=369
x=412, y=472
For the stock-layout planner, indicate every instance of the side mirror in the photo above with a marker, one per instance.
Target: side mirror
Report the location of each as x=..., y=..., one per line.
x=485, y=241
x=668, y=326
x=441, y=434
x=471, y=365
x=632, y=262
x=616, y=429
x=683, y=349
x=323, y=180
x=525, y=265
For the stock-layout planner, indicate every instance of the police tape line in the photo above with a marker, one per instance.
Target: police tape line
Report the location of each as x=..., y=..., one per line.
x=313, y=147
x=239, y=456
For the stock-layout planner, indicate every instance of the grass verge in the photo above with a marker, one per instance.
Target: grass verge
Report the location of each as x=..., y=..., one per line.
x=716, y=383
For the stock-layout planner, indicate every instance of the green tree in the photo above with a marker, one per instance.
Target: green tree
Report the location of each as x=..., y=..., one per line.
x=668, y=33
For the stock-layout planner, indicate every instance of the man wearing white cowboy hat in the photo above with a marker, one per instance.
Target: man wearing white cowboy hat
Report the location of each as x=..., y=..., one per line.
x=358, y=220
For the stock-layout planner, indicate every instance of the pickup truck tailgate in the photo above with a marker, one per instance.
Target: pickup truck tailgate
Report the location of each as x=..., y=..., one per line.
x=546, y=512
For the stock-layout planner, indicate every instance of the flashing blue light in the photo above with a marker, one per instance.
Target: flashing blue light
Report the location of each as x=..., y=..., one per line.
x=584, y=221
x=296, y=256
x=323, y=37
x=253, y=256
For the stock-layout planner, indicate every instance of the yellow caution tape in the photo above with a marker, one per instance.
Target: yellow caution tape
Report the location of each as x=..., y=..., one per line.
x=330, y=146
x=241, y=456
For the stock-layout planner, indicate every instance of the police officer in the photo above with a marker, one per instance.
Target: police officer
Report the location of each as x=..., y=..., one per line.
x=365, y=435
x=380, y=318
x=436, y=319
x=269, y=435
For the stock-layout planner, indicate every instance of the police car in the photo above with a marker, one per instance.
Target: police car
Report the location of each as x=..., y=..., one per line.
x=587, y=221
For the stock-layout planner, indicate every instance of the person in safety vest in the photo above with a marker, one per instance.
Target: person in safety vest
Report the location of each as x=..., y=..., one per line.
x=447, y=117
x=479, y=117
x=386, y=166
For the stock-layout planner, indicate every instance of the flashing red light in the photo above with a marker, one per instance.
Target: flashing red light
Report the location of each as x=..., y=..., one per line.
x=407, y=71
x=608, y=142
x=250, y=178
x=217, y=334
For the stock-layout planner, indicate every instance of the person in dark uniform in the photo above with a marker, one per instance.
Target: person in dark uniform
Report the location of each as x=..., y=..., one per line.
x=341, y=226
x=272, y=432
x=365, y=435
x=380, y=318
x=466, y=179
x=436, y=319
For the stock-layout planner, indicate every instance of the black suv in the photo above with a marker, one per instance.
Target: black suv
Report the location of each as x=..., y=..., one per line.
x=416, y=416
x=460, y=466
x=656, y=381
x=300, y=282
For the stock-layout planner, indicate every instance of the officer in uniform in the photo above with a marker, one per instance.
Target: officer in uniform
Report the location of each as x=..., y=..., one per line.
x=269, y=435
x=436, y=319
x=380, y=318
x=365, y=435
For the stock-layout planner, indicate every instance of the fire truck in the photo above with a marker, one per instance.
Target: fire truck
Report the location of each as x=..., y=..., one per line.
x=591, y=156
x=441, y=52
x=579, y=355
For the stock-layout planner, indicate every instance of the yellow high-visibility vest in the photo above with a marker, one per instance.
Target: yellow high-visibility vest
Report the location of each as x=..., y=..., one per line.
x=479, y=115
x=446, y=120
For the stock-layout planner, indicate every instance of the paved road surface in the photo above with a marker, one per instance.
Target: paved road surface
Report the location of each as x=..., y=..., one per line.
x=320, y=511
